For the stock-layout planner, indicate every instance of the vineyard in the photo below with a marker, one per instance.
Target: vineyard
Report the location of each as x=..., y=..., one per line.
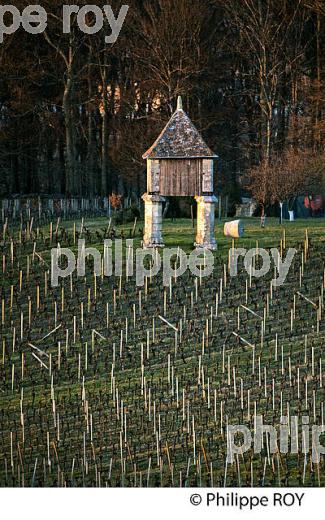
x=106, y=384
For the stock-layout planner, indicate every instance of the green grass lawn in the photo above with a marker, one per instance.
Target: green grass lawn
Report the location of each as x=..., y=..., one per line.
x=180, y=232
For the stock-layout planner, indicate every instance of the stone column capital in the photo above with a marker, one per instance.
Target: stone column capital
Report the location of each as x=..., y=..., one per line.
x=152, y=198
x=206, y=199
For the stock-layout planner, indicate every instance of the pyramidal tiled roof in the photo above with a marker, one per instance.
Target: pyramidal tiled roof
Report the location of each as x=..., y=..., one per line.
x=179, y=140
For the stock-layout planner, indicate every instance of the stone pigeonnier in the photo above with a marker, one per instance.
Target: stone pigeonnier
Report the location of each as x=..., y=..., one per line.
x=180, y=164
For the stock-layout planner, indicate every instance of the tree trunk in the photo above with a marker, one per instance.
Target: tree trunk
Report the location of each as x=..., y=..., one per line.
x=91, y=162
x=70, y=186
x=281, y=212
x=105, y=133
x=318, y=115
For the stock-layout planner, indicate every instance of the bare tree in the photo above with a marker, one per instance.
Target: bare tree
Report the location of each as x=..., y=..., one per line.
x=67, y=48
x=289, y=178
x=171, y=48
x=288, y=175
x=257, y=182
x=265, y=30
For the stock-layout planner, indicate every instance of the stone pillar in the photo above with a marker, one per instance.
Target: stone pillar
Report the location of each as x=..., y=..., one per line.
x=153, y=221
x=205, y=237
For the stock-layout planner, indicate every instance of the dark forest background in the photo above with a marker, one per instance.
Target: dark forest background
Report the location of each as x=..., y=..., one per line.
x=76, y=115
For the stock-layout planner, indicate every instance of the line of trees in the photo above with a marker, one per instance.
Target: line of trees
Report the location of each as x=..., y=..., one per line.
x=76, y=114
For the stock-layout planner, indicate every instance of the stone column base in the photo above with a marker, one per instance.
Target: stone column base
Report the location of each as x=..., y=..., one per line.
x=153, y=221
x=205, y=238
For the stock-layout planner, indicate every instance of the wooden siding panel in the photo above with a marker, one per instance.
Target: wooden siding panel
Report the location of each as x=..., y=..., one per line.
x=207, y=182
x=181, y=178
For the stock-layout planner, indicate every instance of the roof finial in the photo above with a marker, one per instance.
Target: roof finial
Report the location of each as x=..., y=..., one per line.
x=179, y=103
